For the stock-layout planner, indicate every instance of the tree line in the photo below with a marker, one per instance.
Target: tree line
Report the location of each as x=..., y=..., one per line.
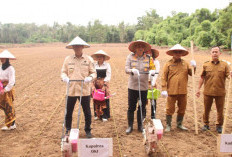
x=203, y=27
x=93, y=32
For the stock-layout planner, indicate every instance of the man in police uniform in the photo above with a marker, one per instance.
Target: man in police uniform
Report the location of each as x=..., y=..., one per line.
x=174, y=85
x=137, y=64
x=213, y=76
x=78, y=66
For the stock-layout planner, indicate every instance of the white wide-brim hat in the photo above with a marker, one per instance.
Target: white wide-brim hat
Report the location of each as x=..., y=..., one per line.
x=100, y=52
x=133, y=44
x=77, y=41
x=177, y=47
x=7, y=54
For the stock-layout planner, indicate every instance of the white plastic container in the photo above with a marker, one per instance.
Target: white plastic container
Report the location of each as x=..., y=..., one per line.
x=67, y=148
x=158, y=128
x=73, y=138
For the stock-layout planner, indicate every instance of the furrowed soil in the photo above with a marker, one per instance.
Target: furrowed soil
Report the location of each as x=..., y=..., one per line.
x=40, y=107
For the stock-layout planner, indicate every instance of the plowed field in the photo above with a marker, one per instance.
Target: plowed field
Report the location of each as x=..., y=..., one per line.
x=40, y=106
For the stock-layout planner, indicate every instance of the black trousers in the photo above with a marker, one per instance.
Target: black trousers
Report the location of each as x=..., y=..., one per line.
x=85, y=103
x=133, y=97
x=153, y=109
x=107, y=111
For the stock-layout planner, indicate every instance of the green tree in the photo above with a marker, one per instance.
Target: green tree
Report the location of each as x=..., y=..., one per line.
x=206, y=25
x=186, y=42
x=97, y=32
x=161, y=38
x=122, y=32
x=146, y=22
x=139, y=35
x=112, y=35
x=130, y=32
x=149, y=37
x=217, y=37
x=193, y=24
x=204, y=39
x=224, y=23
x=203, y=14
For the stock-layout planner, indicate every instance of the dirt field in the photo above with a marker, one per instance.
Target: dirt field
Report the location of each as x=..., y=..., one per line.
x=40, y=107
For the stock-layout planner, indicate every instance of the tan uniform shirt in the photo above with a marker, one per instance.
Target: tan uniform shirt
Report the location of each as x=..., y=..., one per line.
x=77, y=69
x=215, y=76
x=175, y=77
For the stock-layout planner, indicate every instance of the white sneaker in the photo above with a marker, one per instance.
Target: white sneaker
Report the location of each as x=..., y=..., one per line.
x=95, y=118
x=104, y=120
x=5, y=128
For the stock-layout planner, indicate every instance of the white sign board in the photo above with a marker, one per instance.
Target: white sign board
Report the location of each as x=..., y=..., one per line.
x=225, y=143
x=95, y=147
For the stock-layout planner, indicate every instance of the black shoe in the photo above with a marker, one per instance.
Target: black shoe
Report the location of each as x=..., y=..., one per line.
x=219, y=129
x=88, y=134
x=140, y=129
x=205, y=128
x=129, y=130
x=67, y=132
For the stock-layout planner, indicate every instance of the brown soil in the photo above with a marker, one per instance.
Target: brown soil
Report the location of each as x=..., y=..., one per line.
x=40, y=107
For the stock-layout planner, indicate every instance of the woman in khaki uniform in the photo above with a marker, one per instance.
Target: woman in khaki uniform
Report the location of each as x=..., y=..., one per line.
x=213, y=76
x=174, y=84
x=7, y=78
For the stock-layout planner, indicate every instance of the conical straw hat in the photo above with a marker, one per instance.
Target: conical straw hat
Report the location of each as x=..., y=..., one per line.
x=154, y=51
x=7, y=54
x=134, y=43
x=100, y=52
x=177, y=47
x=77, y=41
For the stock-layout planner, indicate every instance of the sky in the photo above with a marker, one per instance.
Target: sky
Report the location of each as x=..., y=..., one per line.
x=111, y=12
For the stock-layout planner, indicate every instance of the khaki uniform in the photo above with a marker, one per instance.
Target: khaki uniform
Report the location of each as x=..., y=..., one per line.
x=214, y=88
x=175, y=81
x=77, y=69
